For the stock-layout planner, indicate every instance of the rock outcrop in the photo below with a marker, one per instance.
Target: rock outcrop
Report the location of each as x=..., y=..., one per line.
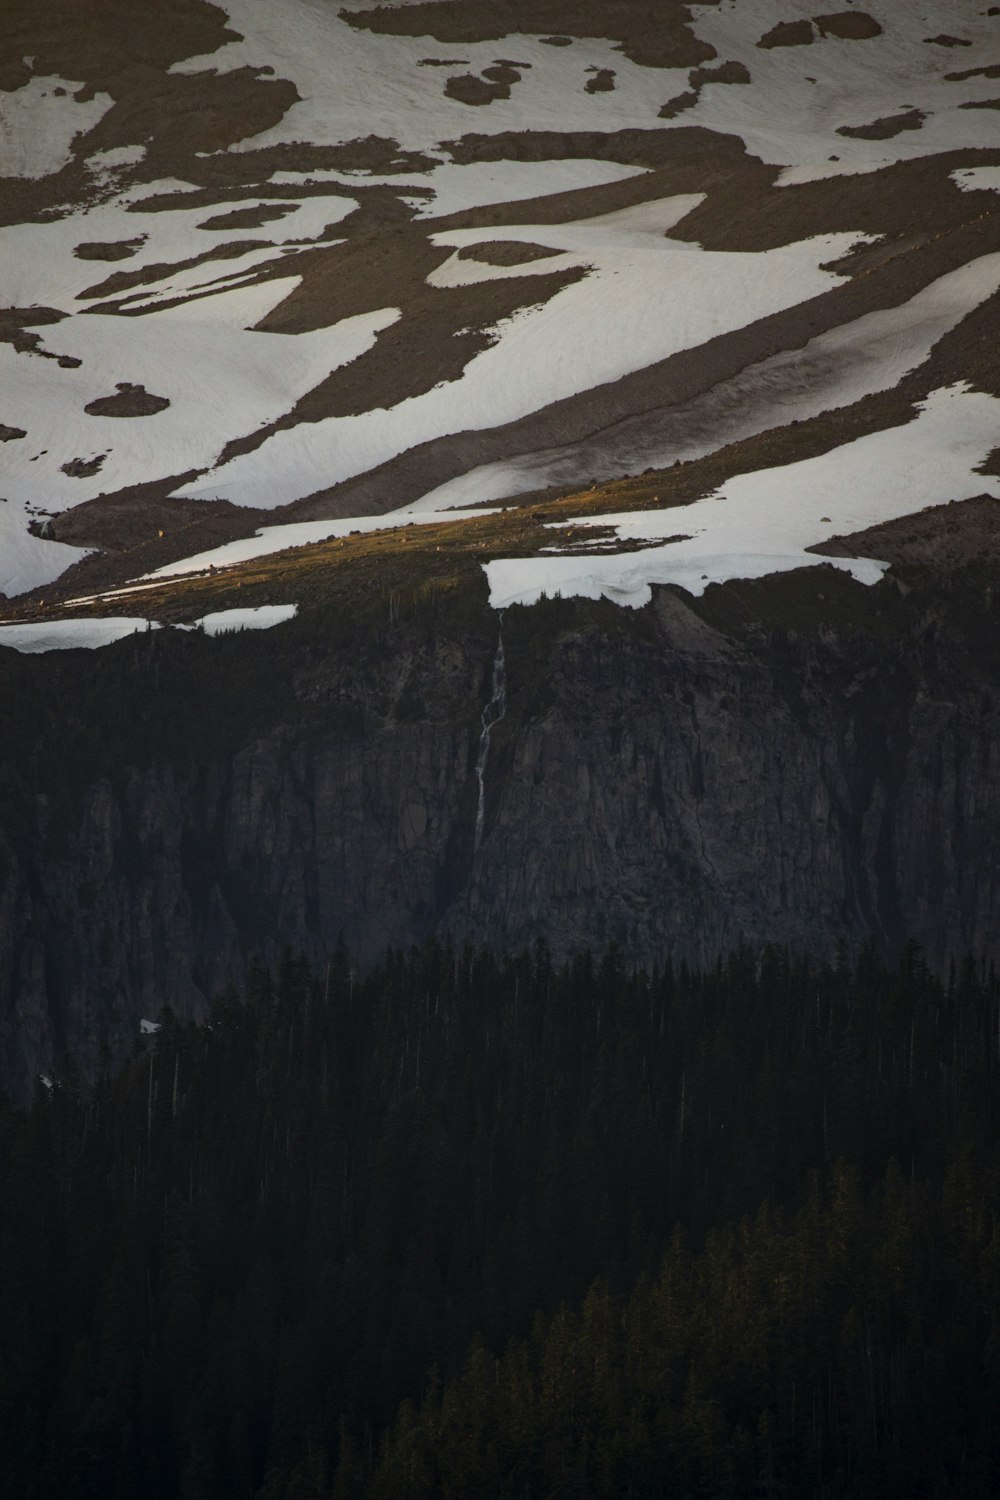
x=803, y=762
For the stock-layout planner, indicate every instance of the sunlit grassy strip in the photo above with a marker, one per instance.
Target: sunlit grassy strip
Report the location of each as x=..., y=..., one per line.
x=410, y=559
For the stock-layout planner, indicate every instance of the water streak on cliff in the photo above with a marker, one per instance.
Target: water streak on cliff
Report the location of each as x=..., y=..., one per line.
x=492, y=714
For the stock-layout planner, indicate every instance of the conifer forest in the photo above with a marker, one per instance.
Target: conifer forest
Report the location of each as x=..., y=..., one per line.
x=467, y=1226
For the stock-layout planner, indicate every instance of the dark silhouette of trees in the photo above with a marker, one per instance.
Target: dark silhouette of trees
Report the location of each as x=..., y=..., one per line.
x=479, y=1226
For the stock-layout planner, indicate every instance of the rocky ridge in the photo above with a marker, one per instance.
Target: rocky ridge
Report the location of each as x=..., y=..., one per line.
x=780, y=762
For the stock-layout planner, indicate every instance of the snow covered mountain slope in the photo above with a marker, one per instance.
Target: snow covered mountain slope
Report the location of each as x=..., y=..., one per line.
x=277, y=262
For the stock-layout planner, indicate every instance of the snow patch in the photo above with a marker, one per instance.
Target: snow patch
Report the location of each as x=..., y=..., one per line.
x=245, y=380
x=834, y=369
x=977, y=179
x=353, y=82
x=222, y=621
x=105, y=166
x=26, y=561
x=650, y=297
x=39, y=123
x=836, y=82
x=69, y=635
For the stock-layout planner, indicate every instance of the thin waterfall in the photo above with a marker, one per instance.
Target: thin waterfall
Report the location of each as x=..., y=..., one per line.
x=494, y=711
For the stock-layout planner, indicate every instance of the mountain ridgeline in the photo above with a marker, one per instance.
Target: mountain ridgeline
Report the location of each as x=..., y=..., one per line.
x=467, y=1227
x=804, y=761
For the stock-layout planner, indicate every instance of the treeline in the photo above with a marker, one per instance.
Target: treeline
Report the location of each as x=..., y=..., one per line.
x=849, y=1350
x=223, y=1270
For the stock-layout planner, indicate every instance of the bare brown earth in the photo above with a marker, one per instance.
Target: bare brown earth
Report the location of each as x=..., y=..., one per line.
x=678, y=104
x=885, y=128
x=249, y=218
x=848, y=25
x=993, y=71
x=125, y=48
x=505, y=253
x=128, y=401
x=941, y=537
x=84, y=468
x=17, y=328
x=470, y=89
x=788, y=34
x=16, y=324
x=180, y=114
x=96, y=42
x=107, y=249
x=124, y=281
x=239, y=175
x=440, y=331
x=969, y=351
x=342, y=281
x=898, y=202
x=687, y=150
x=142, y=529
x=658, y=37
x=369, y=272
x=727, y=72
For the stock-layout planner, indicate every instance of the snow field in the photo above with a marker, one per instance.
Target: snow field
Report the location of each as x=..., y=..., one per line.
x=832, y=370
x=245, y=380
x=762, y=522
x=346, y=75
x=834, y=82
x=72, y=634
x=643, y=297
x=649, y=296
x=40, y=268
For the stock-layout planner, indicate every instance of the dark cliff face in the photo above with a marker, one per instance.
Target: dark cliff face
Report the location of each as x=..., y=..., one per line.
x=802, y=762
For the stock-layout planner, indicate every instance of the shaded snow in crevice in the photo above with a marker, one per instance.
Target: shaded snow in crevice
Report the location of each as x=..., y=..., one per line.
x=832, y=370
